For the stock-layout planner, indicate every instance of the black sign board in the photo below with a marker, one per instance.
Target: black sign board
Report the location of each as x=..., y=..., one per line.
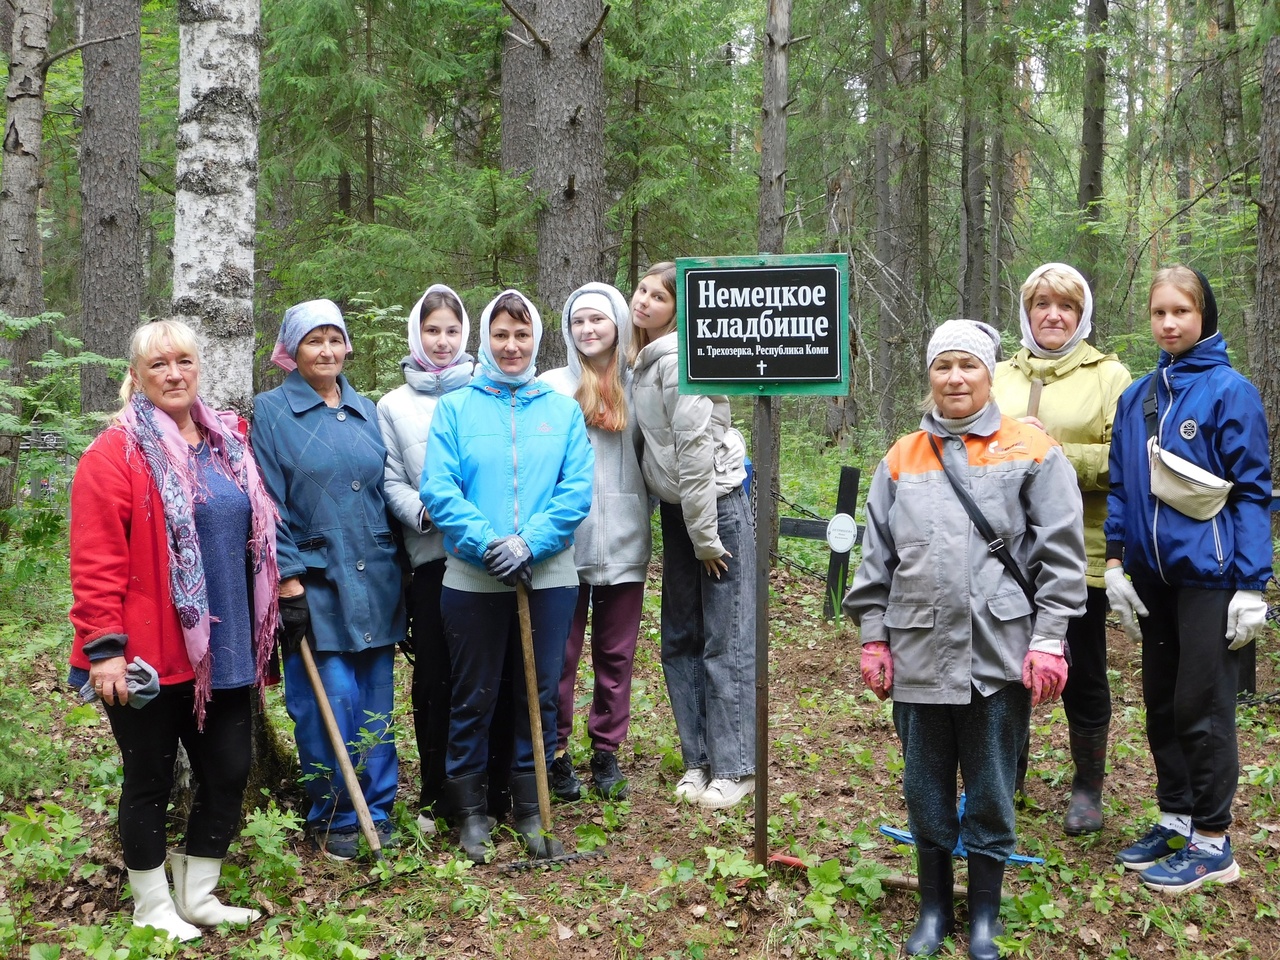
x=763, y=325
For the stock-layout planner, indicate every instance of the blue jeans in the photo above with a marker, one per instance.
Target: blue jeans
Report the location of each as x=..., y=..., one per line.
x=483, y=630
x=709, y=640
x=361, y=690
x=981, y=738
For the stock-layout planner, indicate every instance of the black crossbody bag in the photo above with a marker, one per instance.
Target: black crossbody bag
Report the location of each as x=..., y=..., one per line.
x=995, y=544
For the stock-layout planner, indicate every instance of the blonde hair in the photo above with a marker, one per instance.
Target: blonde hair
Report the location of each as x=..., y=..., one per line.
x=1060, y=282
x=1180, y=278
x=601, y=397
x=641, y=338
x=149, y=337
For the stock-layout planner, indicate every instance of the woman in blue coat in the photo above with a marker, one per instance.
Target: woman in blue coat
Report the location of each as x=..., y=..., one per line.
x=507, y=479
x=1196, y=594
x=323, y=461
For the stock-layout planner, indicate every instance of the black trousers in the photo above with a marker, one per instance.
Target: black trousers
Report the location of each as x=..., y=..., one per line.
x=1189, y=680
x=431, y=692
x=220, y=756
x=1086, y=699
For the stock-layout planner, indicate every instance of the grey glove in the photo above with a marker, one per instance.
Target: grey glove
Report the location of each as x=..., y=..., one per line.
x=142, y=679
x=1124, y=601
x=510, y=561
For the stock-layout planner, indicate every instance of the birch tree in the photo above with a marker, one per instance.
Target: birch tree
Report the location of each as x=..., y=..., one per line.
x=217, y=169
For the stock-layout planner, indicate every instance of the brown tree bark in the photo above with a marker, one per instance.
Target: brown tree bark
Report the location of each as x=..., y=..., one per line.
x=1264, y=348
x=21, y=283
x=1089, y=191
x=568, y=172
x=973, y=166
x=111, y=260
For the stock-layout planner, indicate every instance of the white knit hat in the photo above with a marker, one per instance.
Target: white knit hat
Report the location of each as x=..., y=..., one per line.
x=968, y=336
x=594, y=301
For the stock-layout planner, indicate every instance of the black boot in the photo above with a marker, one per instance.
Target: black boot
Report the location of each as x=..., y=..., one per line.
x=609, y=781
x=936, y=916
x=1020, y=776
x=467, y=798
x=528, y=821
x=1089, y=751
x=986, y=877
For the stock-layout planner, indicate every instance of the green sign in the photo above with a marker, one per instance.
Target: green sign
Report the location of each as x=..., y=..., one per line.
x=764, y=325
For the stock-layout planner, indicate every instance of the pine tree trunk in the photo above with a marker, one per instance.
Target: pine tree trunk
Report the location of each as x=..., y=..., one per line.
x=217, y=169
x=1089, y=189
x=110, y=246
x=771, y=223
x=973, y=166
x=1264, y=347
x=886, y=318
x=568, y=169
x=21, y=284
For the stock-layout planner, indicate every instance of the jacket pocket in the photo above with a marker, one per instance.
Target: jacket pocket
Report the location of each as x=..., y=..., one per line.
x=915, y=654
x=314, y=552
x=1014, y=623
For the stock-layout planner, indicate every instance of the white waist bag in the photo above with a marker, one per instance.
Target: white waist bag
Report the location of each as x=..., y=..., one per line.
x=1189, y=489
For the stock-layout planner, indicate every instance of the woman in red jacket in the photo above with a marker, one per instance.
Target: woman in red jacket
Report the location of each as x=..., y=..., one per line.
x=173, y=577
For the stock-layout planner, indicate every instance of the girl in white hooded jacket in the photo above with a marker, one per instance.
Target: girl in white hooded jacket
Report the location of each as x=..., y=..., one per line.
x=693, y=461
x=612, y=546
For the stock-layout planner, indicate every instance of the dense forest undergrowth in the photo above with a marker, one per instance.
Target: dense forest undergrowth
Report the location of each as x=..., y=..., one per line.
x=674, y=880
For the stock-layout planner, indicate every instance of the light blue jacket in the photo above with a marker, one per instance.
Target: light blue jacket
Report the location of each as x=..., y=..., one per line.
x=501, y=462
x=324, y=467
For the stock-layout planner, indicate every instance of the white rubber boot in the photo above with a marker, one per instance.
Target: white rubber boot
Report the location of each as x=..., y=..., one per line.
x=153, y=906
x=194, y=879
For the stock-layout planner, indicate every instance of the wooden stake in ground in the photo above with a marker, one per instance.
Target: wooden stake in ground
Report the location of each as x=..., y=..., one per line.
x=340, y=751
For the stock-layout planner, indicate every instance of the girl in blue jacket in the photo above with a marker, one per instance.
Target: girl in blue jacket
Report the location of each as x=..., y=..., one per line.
x=1196, y=594
x=508, y=480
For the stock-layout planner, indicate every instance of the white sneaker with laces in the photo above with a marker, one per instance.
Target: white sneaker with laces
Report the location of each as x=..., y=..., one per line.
x=723, y=793
x=693, y=784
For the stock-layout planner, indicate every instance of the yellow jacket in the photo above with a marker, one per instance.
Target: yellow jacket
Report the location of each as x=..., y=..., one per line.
x=1077, y=408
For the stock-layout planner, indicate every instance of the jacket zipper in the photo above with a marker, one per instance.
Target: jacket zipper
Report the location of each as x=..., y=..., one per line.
x=515, y=467
x=1155, y=517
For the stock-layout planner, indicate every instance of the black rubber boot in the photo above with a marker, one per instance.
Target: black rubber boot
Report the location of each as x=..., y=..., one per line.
x=1089, y=751
x=528, y=821
x=467, y=798
x=986, y=877
x=937, y=919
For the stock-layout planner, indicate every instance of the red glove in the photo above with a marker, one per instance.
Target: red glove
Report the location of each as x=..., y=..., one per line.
x=877, y=667
x=1044, y=674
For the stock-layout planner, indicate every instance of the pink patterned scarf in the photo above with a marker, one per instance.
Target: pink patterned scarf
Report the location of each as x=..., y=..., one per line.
x=172, y=464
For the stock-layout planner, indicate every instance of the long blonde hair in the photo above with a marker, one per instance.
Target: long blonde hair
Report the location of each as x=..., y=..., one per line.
x=601, y=397
x=641, y=338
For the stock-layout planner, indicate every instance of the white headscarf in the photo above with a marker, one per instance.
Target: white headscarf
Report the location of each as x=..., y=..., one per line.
x=415, y=330
x=487, y=362
x=1082, y=330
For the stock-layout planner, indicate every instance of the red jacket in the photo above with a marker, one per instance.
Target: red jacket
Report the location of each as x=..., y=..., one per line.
x=120, y=559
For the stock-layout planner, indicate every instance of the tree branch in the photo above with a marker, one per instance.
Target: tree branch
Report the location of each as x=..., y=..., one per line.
x=53, y=58
x=156, y=183
x=595, y=30
x=519, y=17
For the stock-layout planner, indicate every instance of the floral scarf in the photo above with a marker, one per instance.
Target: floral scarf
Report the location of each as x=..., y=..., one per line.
x=172, y=465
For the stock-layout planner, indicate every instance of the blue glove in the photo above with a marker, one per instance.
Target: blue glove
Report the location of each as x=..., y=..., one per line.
x=510, y=561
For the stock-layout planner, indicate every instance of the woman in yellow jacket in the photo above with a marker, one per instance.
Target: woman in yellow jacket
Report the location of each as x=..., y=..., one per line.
x=1063, y=385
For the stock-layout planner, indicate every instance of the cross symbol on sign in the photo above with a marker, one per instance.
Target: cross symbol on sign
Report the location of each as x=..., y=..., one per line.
x=760, y=366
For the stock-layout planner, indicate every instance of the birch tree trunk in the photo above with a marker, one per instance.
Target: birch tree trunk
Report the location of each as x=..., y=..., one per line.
x=217, y=172
x=111, y=277
x=21, y=283
x=568, y=169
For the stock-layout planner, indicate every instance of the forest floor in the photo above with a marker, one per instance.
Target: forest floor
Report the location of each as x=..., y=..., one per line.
x=674, y=880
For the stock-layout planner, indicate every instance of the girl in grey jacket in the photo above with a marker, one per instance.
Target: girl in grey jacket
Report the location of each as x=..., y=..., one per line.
x=694, y=463
x=612, y=545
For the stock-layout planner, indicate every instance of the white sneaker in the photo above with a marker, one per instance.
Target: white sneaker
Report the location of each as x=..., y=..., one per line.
x=693, y=784
x=722, y=793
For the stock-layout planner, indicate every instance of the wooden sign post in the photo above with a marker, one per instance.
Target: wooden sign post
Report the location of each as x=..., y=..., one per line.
x=766, y=326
